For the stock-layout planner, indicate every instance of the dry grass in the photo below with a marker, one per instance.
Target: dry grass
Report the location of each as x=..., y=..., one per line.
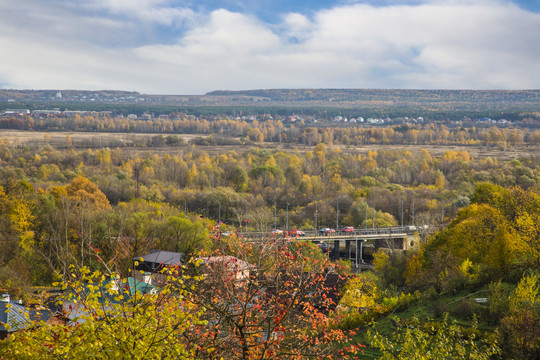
x=78, y=139
x=439, y=150
x=132, y=141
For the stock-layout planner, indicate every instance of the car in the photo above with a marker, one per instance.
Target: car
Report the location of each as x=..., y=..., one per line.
x=347, y=229
x=296, y=232
x=410, y=228
x=326, y=231
x=276, y=232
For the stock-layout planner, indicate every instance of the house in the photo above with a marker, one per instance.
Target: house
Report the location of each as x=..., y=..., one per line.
x=16, y=112
x=290, y=119
x=239, y=269
x=110, y=293
x=15, y=317
x=145, y=286
x=157, y=260
x=148, y=267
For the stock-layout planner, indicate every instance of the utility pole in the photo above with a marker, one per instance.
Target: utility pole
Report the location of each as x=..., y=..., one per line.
x=219, y=216
x=287, y=217
x=401, y=214
x=275, y=216
x=136, y=174
x=219, y=213
x=316, y=227
x=275, y=213
x=373, y=222
x=365, y=222
x=413, y=212
x=337, y=215
x=442, y=212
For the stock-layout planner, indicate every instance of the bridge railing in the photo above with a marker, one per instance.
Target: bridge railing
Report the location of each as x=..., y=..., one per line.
x=314, y=233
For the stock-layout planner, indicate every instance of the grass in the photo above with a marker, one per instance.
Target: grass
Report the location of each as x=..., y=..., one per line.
x=423, y=310
x=132, y=140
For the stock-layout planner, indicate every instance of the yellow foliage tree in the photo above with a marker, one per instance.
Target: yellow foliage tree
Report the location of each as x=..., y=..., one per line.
x=85, y=191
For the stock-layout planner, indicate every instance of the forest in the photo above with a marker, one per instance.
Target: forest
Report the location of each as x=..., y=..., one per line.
x=438, y=105
x=74, y=213
x=264, y=128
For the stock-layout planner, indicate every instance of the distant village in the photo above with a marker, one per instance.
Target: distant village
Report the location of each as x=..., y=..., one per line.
x=289, y=119
x=333, y=116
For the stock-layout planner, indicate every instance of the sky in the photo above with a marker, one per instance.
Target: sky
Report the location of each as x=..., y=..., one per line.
x=195, y=46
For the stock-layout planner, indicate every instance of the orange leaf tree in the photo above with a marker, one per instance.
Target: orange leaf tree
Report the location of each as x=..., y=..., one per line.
x=269, y=301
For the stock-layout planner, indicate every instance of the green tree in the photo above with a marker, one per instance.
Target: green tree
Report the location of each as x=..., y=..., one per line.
x=521, y=327
x=433, y=341
x=183, y=235
x=238, y=178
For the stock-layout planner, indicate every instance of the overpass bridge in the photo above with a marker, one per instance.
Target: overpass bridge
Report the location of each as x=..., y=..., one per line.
x=358, y=246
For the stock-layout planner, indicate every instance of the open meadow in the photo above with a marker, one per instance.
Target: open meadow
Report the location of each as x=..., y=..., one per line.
x=137, y=142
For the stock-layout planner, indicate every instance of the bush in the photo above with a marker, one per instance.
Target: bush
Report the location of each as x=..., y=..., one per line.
x=499, y=301
x=13, y=283
x=466, y=309
x=431, y=340
x=439, y=309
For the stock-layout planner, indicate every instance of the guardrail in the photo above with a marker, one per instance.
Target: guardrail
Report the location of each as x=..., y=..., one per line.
x=311, y=233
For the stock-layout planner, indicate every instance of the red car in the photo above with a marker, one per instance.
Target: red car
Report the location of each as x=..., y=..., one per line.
x=296, y=232
x=326, y=231
x=347, y=229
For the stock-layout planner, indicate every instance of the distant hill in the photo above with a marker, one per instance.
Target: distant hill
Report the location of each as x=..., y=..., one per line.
x=434, y=104
x=48, y=95
x=395, y=96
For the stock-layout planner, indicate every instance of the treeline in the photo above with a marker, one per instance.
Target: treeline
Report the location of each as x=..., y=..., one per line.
x=526, y=115
x=409, y=95
x=266, y=129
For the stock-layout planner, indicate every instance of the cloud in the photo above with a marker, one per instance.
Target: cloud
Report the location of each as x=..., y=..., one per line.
x=155, y=11
x=152, y=46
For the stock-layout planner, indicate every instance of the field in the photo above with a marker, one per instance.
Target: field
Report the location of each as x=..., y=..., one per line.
x=138, y=141
x=78, y=139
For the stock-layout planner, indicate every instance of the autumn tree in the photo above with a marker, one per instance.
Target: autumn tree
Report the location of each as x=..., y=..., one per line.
x=109, y=319
x=520, y=327
x=69, y=217
x=277, y=308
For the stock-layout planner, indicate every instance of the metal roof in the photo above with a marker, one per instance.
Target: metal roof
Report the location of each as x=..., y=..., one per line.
x=162, y=257
x=15, y=315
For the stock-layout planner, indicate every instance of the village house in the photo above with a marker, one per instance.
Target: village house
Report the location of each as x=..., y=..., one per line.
x=14, y=316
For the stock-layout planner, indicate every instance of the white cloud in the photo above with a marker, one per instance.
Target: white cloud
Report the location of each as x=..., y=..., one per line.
x=440, y=44
x=296, y=26
x=158, y=11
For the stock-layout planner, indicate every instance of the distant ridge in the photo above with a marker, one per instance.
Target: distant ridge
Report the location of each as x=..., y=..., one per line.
x=436, y=104
x=397, y=95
